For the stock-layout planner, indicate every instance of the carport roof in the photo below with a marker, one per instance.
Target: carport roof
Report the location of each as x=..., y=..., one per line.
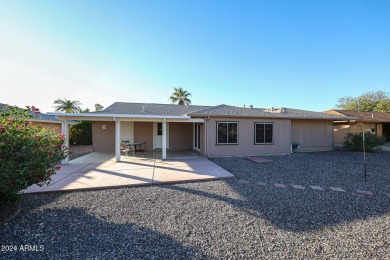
x=150, y=109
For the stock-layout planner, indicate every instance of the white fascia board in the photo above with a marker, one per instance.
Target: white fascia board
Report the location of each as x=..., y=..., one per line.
x=123, y=117
x=190, y=120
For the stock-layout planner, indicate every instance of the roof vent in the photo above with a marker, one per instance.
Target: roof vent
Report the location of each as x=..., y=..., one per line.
x=372, y=115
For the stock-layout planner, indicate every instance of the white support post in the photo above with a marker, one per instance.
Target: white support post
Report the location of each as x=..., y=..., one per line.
x=164, y=140
x=65, y=131
x=118, y=140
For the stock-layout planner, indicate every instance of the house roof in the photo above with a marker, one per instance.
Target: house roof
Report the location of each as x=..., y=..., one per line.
x=42, y=117
x=232, y=111
x=149, y=109
x=365, y=116
x=220, y=110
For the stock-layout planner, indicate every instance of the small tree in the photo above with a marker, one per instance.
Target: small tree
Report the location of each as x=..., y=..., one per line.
x=98, y=107
x=28, y=154
x=355, y=141
x=81, y=133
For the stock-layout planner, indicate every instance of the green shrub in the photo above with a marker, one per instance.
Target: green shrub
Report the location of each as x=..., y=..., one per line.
x=28, y=154
x=355, y=141
x=81, y=133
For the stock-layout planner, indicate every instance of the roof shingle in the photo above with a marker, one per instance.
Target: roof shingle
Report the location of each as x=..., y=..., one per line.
x=367, y=116
x=220, y=110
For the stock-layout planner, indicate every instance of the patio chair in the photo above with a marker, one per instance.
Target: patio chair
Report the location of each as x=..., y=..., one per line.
x=126, y=149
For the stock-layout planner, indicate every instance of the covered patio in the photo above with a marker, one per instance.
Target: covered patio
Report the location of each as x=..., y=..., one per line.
x=102, y=170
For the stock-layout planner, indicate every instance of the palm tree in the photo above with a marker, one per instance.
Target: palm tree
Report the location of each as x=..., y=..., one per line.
x=180, y=95
x=68, y=106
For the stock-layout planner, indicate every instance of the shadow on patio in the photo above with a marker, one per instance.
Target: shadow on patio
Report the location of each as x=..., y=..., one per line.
x=100, y=170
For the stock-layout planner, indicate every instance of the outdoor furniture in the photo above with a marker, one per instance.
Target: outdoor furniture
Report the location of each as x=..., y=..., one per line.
x=137, y=147
x=125, y=148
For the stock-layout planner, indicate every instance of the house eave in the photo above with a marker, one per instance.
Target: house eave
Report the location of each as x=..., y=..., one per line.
x=123, y=117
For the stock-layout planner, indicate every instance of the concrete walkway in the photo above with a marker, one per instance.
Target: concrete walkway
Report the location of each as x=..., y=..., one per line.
x=100, y=170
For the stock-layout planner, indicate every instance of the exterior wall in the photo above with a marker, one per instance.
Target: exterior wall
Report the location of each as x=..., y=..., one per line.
x=49, y=126
x=127, y=131
x=312, y=135
x=203, y=139
x=103, y=140
x=246, y=146
x=340, y=130
x=143, y=132
x=181, y=136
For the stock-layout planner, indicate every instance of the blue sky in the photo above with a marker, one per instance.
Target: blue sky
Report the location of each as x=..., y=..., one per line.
x=301, y=54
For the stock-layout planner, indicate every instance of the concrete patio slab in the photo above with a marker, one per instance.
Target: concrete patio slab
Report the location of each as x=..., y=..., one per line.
x=100, y=170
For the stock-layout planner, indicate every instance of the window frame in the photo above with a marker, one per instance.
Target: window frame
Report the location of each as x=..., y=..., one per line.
x=254, y=133
x=227, y=130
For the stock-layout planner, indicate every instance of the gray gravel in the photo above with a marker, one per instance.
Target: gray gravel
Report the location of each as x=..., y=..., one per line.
x=219, y=219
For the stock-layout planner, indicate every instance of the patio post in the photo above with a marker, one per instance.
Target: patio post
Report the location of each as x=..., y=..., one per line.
x=65, y=131
x=118, y=140
x=164, y=139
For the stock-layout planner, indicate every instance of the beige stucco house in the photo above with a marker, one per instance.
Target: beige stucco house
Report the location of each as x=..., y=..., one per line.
x=211, y=130
x=46, y=121
x=376, y=122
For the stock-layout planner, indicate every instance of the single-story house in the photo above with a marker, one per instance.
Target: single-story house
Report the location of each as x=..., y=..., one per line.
x=221, y=130
x=377, y=122
x=46, y=121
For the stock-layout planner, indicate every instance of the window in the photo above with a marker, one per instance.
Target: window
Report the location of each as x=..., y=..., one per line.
x=227, y=132
x=373, y=128
x=264, y=133
x=159, y=128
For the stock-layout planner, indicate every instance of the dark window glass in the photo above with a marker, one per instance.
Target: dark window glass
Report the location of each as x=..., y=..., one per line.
x=226, y=133
x=222, y=133
x=263, y=133
x=268, y=133
x=159, y=128
x=259, y=133
x=232, y=138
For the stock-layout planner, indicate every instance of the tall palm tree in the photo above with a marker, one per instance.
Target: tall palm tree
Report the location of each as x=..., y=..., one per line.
x=68, y=106
x=180, y=95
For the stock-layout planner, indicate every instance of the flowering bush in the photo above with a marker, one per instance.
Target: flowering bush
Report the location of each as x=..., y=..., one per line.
x=28, y=154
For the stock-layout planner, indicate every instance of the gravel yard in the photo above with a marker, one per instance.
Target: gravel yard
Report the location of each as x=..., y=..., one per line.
x=219, y=219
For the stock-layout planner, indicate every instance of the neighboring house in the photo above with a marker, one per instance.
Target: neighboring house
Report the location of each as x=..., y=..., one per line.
x=46, y=121
x=377, y=122
x=212, y=130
